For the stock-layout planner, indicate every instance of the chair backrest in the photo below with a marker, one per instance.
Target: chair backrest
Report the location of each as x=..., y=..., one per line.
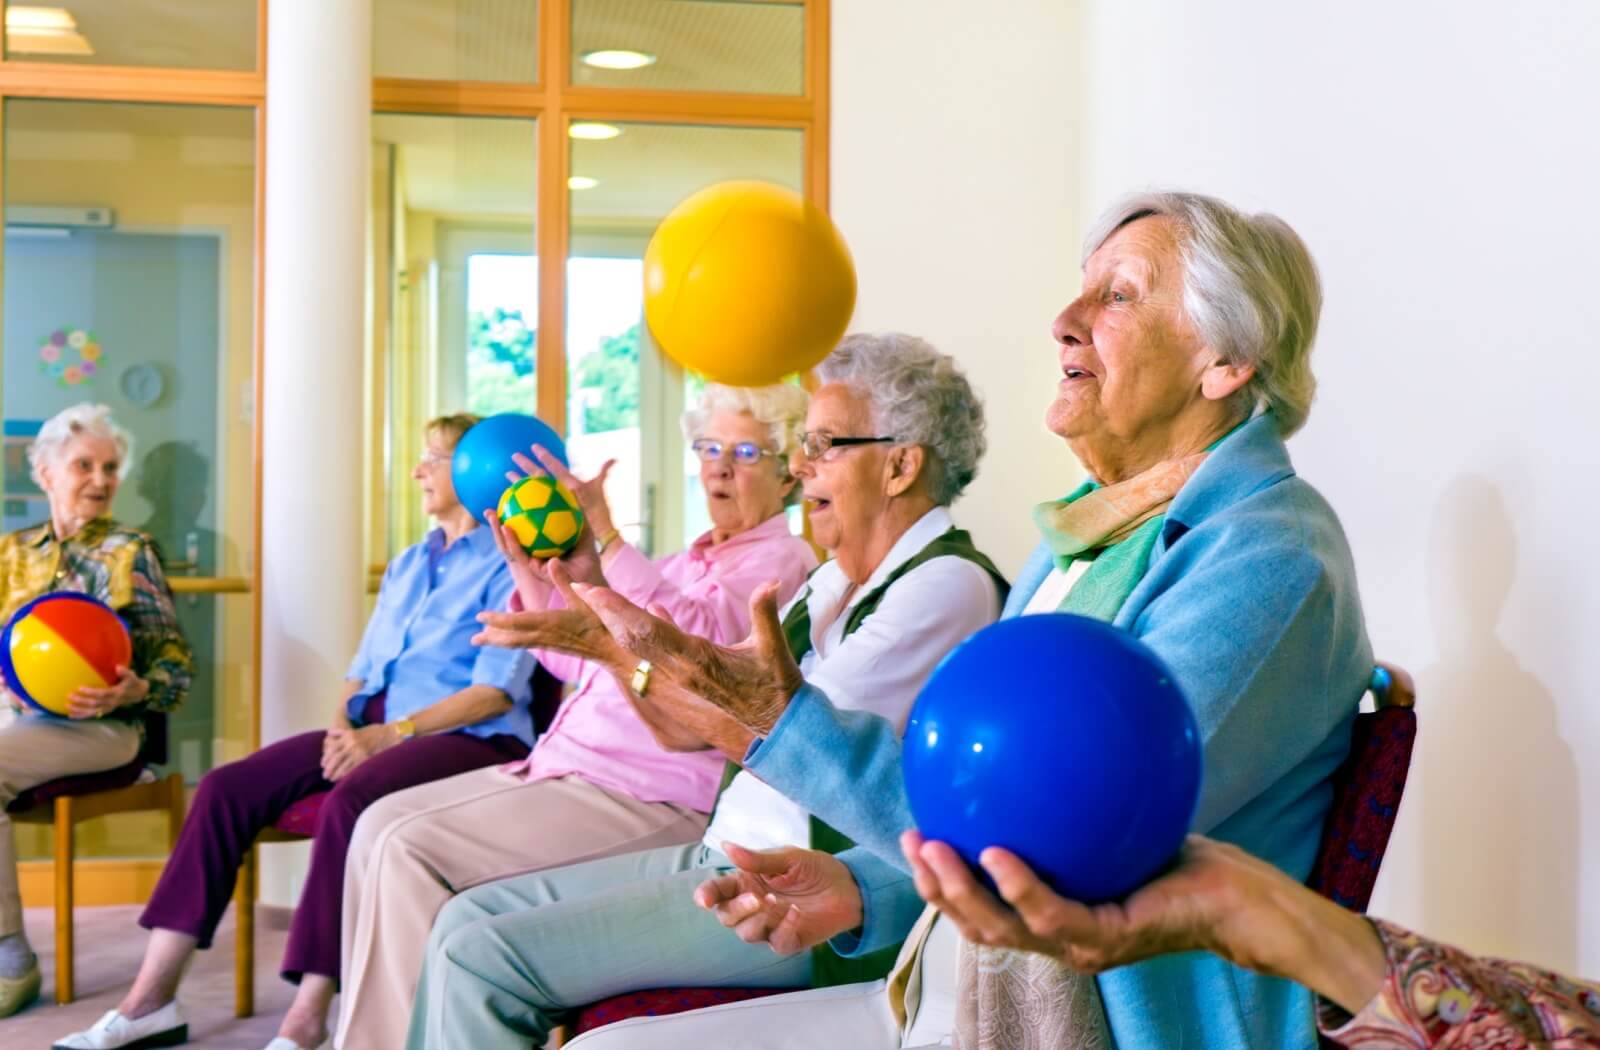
x=547, y=694
x=154, y=752
x=1366, y=793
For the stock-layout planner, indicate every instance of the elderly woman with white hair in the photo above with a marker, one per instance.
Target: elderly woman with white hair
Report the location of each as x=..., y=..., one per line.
x=603, y=779
x=1184, y=364
x=894, y=434
x=79, y=459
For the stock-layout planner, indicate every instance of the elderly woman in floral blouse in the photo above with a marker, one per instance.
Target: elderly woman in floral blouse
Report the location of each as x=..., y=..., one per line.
x=79, y=459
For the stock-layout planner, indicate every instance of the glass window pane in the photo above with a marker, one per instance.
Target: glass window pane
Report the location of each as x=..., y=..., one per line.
x=129, y=280
x=456, y=39
x=216, y=34
x=454, y=303
x=624, y=397
x=690, y=45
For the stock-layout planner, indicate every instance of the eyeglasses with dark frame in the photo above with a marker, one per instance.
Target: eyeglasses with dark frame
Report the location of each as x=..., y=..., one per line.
x=816, y=443
x=745, y=453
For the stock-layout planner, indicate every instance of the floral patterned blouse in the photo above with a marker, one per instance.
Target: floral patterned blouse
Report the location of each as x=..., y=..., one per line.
x=122, y=568
x=1438, y=996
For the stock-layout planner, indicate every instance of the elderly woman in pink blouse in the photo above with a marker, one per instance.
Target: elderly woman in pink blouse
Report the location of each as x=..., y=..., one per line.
x=602, y=780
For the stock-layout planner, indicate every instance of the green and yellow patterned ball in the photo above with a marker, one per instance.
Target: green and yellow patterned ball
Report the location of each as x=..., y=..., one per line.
x=543, y=514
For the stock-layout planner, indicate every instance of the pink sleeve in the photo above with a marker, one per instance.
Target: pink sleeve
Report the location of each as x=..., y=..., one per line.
x=717, y=606
x=565, y=667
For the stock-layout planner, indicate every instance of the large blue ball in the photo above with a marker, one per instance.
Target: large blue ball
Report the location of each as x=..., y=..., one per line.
x=1063, y=740
x=483, y=455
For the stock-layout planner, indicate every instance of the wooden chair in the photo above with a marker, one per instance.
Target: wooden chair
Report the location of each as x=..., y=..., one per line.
x=1366, y=800
x=298, y=823
x=69, y=801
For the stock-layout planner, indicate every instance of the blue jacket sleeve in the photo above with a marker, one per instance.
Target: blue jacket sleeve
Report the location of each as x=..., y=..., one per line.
x=844, y=766
x=889, y=904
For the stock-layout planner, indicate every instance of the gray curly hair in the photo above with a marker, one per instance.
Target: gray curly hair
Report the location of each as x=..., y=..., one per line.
x=1250, y=288
x=919, y=396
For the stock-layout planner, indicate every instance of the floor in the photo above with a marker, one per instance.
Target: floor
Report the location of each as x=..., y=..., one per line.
x=110, y=943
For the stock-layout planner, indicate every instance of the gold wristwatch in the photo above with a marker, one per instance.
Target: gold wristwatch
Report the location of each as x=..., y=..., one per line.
x=405, y=727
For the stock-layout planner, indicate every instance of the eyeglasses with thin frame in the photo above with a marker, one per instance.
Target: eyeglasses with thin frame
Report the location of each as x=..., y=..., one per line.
x=431, y=458
x=745, y=453
x=816, y=443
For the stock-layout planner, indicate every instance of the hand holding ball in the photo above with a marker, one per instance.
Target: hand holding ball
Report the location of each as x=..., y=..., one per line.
x=543, y=515
x=1063, y=740
x=747, y=282
x=59, y=643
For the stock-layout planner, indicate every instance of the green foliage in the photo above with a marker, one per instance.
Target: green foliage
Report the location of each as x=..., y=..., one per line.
x=612, y=373
x=501, y=355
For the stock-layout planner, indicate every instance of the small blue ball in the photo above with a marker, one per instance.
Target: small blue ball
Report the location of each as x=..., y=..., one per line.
x=483, y=456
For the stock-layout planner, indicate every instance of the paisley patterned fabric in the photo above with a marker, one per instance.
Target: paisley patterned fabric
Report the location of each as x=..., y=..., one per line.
x=1021, y=1001
x=1438, y=996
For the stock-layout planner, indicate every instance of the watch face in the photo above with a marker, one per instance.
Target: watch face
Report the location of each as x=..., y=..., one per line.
x=142, y=384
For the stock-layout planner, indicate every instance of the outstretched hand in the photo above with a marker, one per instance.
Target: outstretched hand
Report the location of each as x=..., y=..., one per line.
x=752, y=682
x=575, y=629
x=790, y=898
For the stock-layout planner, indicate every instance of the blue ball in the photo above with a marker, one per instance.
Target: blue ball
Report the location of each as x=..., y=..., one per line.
x=1062, y=739
x=483, y=455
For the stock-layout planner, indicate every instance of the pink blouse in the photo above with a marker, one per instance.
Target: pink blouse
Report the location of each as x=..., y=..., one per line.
x=596, y=734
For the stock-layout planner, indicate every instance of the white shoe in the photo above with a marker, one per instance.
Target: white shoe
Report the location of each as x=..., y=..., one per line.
x=280, y=1043
x=164, y=1027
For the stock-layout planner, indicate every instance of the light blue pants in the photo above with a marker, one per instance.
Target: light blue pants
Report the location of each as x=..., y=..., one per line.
x=507, y=960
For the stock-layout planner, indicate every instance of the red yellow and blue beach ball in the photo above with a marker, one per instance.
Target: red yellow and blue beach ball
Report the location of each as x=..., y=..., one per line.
x=59, y=643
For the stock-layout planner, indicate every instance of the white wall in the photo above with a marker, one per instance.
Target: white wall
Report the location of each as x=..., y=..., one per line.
x=953, y=168
x=1442, y=161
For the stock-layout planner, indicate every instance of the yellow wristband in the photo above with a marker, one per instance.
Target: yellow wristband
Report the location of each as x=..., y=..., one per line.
x=605, y=541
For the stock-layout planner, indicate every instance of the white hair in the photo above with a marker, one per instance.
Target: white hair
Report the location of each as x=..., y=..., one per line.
x=85, y=417
x=1250, y=289
x=781, y=406
x=918, y=397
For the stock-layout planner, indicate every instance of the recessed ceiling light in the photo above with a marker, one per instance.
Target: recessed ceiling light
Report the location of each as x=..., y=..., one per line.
x=582, y=182
x=618, y=58
x=593, y=131
x=44, y=31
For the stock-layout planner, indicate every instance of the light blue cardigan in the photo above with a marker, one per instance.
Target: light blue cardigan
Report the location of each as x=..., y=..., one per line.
x=1251, y=600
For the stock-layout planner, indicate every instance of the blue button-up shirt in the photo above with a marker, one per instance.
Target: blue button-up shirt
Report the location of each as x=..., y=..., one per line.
x=418, y=648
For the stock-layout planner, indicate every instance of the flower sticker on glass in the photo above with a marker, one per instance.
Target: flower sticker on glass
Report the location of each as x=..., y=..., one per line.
x=71, y=355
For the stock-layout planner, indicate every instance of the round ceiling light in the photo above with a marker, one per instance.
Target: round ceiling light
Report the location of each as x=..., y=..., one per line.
x=593, y=131
x=618, y=58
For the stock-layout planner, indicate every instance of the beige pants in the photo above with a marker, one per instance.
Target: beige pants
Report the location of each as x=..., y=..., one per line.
x=413, y=850
x=35, y=748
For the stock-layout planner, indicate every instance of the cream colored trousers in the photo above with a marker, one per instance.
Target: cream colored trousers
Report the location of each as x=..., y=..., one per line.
x=415, y=849
x=35, y=748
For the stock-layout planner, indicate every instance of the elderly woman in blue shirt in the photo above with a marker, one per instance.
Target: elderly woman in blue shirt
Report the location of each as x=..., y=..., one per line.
x=1184, y=365
x=420, y=702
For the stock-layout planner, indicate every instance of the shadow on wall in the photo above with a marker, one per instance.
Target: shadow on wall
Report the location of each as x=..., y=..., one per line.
x=1501, y=850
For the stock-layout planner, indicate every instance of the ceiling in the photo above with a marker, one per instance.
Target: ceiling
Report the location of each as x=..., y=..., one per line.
x=711, y=45
x=471, y=166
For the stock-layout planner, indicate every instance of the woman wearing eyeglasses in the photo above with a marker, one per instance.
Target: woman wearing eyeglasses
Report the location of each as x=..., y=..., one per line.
x=601, y=780
x=894, y=435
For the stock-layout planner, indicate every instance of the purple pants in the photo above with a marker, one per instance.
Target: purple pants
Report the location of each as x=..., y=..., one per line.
x=235, y=802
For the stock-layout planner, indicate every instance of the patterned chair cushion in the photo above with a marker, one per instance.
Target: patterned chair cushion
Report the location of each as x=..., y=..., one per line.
x=1366, y=800
x=659, y=1002
x=301, y=817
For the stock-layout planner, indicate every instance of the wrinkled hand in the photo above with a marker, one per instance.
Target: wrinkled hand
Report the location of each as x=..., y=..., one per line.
x=752, y=682
x=789, y=898
x=88, y=702
x=575, y=629
x=1216, y=898
x=591, y=494
x=345, y=749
